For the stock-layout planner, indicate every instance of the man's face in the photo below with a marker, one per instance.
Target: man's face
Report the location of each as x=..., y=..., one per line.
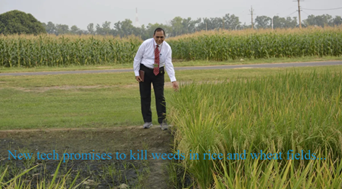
x=159, y=37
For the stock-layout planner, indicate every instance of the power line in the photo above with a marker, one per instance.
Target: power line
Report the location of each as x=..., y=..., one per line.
x=305, y=13
x=292, y=13
x=323, y=9
x=288, y=9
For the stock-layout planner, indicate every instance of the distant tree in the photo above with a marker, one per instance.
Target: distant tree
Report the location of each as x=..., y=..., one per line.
x=62, y=29
x=218, y=23
x=320, y=20
x=177, y=27
x=187, y=25
x=142, y=31
x=215, y=23
x=90, y=28
x=51, y=28
x=205, y=24
x=280, y=22
x=311, y=20
x=202, y=25
x=263, y=22
x=106, y=28
x=99, y=30
x=125, y=28
x=337, y=21
x=44, y=25
x=193, y=24
x=245, y=26
x=75, y=30
x=82, y=32
x=291, y=23
x=148, y=31
x=231, y=22
x=17, y=22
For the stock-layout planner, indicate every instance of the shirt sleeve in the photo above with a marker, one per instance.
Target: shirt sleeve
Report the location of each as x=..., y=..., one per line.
x=170, y=67
x=138, y=59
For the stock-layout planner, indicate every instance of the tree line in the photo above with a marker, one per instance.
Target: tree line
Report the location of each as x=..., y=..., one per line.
x=19, y=22
x=179, y=26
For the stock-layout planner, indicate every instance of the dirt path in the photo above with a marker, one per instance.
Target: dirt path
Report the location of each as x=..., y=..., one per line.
x=109, y=140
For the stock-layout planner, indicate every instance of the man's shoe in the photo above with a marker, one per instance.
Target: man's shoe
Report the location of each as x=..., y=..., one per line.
x=147, y=125
x=164, y=126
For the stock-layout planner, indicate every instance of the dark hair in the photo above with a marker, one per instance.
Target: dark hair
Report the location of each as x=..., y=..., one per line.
x=158, y=30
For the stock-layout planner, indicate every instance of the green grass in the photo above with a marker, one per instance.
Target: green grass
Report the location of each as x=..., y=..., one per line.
x=95, y=100
x=177, y=63
x=72, y=108
x=293, y=110
x=126, y=80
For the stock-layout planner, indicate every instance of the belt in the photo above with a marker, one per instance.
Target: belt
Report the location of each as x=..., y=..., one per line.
x=142, y=65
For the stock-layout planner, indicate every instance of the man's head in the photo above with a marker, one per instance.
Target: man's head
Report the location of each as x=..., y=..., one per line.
x=159, y=35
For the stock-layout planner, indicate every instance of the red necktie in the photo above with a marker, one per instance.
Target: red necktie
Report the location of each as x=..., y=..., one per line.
x=157, y=61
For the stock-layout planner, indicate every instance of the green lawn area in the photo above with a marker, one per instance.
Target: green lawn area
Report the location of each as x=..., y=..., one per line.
x=177, y=63
x=97, y=100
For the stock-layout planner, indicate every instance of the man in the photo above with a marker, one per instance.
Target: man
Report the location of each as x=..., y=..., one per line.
x=154, y=58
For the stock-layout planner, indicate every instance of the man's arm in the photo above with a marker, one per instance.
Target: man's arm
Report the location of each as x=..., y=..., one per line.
x=138, y=59
x=170, y=70
x=170, y=67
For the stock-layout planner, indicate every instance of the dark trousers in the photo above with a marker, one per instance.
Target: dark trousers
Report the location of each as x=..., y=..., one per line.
x=145, y=92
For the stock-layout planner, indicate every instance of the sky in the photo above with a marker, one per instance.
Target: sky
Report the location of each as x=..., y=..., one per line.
x=83, y=12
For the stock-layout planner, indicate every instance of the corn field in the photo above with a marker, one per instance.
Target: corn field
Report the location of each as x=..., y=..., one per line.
x=226, y=45
x=50, y=50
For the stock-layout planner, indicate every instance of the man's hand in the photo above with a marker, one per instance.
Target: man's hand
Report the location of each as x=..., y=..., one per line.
x=175, y=85
x=138, y=78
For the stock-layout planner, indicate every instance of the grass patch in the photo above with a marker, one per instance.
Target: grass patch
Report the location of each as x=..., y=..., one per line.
x=177, y=63
x=102, y=107
x=126, y=80
x=95, y=100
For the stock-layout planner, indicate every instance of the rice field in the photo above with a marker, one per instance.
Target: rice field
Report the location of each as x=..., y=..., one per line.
x=284, y=115
x=51, y=50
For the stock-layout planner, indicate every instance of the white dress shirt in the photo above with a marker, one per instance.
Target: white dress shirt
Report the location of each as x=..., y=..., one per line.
x=146, y=56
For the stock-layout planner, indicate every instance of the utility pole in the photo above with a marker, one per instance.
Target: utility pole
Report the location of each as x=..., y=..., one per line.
x=252, y=19
x=299, y=14
x=223, y=23
x=273, y=23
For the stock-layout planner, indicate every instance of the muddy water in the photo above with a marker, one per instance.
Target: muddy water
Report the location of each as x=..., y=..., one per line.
x=108, y=171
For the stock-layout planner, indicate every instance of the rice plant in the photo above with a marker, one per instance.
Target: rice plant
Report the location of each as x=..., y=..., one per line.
x=295, y=111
